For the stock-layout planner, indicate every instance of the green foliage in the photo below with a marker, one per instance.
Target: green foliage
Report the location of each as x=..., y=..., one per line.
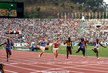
x=72, y=7
x=94, y=3
x=88, y=5
x=26, y=16
x=37, y=16
x=62, y=5
x=38, y=9
x=60, y=0
x=90, y=2
x=55, y=3
x=51, y=17
x=105, y=15
x=93, y=15
x=80, y=7
x=95, y=9
x=32, y=12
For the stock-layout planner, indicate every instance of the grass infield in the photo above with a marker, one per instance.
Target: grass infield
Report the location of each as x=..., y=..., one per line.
x=103, y=52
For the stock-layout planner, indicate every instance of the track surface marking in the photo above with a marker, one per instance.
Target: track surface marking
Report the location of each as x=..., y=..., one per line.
x=28, y=62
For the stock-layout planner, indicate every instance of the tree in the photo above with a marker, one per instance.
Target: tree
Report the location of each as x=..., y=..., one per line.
x=80, y=7
x=55, y=3
x=38, y=9
x=94, y=3
x=72, y=7
x=62, y=5
x=95, y=9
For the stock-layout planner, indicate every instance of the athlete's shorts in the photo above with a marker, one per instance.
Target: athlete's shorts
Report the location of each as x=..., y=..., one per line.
x=55, y=49
x=42, y=47
x=96, y=48
x=8, y=48
x=69, y=47
x=80, y=48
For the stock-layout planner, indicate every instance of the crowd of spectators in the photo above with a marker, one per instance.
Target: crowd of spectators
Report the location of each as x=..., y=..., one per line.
x=4, y=12
x=32, y=30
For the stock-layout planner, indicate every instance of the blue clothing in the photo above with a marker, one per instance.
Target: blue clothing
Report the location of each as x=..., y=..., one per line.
x=32, y=48
x=43, y=43
x=80, y=48
x=82, y=45
x=9, y=46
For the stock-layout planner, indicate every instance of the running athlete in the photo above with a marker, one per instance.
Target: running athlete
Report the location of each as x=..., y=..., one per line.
x=42, y=44
x=96, y=47
x=69, y=46
x=82, y=47
x=9, y=43
x=56, y=45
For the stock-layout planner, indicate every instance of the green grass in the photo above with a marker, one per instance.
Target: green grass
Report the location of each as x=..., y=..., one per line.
x=103, y=52
x=7, y=6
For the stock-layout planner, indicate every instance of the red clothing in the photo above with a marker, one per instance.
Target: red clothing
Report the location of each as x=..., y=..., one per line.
x=56, y=45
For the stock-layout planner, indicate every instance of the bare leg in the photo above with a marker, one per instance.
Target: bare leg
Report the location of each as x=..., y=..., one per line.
x=97, y=54
x=83, y=52
x=7, y=54
x=78, y=51
x=56, y=53
x=10, y=53
x=96, y=51
x=42, y=51
x=70, y=51
x=67, y=53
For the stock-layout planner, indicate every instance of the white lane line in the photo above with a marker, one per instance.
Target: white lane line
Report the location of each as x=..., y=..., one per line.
x=83, y=68
x=21, y=67
x=66, y=67
x=63, y=71
x=42, y=60
x=53, y=62
x=99, y=62
x=10, y=71
x=37, y=54
x=48, y=67
x=64, y=63
x=13, y=63
x=40, y=66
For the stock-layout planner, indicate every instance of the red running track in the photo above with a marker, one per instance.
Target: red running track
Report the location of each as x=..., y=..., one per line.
x=28, y=62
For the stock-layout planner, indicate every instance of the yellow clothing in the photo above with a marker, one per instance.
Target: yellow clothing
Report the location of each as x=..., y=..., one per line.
x=69, y=43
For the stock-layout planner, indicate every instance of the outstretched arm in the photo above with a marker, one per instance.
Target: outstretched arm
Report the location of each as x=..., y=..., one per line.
x=60, y=46
x=38, y=43
x=52, y=46
x=48, y=41
x=79, y=43
x=2, y=44
x=102, y=45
